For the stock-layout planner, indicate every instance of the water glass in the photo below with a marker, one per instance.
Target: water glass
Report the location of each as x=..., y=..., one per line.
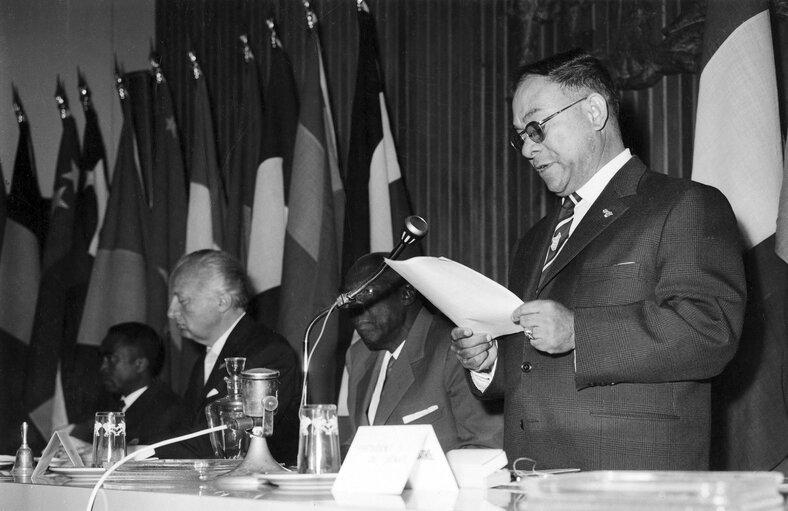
x=318, y=440
x=109, y=438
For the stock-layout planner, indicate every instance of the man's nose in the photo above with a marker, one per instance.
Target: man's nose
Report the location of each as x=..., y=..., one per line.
x=530, y=148
x=174, y=309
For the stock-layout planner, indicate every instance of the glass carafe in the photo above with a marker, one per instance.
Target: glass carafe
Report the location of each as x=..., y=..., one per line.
x=229, y=443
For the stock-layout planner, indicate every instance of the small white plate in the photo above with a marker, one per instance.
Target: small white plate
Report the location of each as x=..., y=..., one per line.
x=79, y=472
x=300, y=482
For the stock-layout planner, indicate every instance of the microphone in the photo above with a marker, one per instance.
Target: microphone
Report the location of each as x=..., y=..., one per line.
x=415, y=228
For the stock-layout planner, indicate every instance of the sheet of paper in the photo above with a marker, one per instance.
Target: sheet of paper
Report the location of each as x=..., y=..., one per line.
x=464, y=295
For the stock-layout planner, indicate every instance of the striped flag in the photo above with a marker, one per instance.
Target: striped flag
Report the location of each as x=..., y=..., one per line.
x=20, y=273
x=377, y=201
x=269, y=206
x=312, y=258
x=44, y=397
x=118, y=287
x=206, y=211
x=738, y=150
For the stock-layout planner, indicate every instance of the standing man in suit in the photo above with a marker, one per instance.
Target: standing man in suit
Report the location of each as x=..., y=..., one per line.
x=424, y=384
x=132, y=355
x=633, y=301
x=209, y=294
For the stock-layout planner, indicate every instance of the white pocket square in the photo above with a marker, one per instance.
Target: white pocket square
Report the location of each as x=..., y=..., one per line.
x=418, y=415
x=212, y=393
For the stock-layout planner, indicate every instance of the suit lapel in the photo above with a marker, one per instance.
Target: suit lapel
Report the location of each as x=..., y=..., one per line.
x=402, y=376
x=367, y=382
x=605, y=211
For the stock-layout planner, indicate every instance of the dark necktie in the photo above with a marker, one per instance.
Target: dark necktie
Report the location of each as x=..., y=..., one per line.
x=388, y=372
x=561, y=232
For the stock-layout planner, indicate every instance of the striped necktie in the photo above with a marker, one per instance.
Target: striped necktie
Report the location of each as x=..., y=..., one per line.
x=561, y=232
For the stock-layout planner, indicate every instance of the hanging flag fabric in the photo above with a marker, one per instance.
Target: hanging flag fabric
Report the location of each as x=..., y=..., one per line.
x=93, y=162
x=269, y=205
x=738, y=150
x=377, y=201
x=118, y=284
x=48, y=341
x=167, y=233
x=244, y=158
x=206, y=211
x=312, y=258
x=20, y=267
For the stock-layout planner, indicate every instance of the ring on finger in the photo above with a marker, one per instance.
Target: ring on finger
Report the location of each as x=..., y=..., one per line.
x=529, y=334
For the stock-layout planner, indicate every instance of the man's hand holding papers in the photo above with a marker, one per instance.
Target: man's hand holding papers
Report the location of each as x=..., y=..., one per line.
x=480, y=307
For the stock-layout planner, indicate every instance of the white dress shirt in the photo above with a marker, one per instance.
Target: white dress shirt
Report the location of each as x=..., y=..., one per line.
x=212, y=351
x=129, y=400
x=373, y=404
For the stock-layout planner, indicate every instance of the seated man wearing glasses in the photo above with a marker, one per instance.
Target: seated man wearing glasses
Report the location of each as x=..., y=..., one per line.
x=403, y=371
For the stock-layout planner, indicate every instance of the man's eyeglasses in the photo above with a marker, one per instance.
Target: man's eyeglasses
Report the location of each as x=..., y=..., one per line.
x=534, y=130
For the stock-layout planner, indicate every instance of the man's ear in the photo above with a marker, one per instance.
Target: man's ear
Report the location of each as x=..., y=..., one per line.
x=597, y=111
x=225, y=302
x=408, y=294
x=141, y=364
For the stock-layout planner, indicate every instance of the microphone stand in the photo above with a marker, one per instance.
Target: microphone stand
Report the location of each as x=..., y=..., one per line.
x=415, y=228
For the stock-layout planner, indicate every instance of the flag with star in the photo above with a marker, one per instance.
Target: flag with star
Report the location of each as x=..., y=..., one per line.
x=738, y=150
x=44, y=397
x=269, y=201
x=20, y=273
x=312, y=253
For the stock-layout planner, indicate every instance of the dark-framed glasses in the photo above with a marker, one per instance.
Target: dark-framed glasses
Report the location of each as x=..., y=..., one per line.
x=533, y=129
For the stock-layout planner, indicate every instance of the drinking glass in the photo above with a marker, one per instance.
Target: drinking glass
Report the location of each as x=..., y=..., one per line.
x=318, y=440
x=109, y=438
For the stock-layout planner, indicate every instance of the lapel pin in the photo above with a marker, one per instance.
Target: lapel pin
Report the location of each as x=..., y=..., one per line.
x=607, y=213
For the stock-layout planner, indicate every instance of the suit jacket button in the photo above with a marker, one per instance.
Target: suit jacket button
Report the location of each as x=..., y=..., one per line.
x=526, y=367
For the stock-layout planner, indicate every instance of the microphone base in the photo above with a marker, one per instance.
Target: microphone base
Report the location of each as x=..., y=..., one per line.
x=258, y=460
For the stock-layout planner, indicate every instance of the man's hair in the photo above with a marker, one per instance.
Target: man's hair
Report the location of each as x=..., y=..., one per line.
x=575, y=70
x=215, y=263
x=143, y=339
x=368, y=264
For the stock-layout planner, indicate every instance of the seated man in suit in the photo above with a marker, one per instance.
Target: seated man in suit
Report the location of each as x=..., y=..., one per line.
x=425, y=383
x=209, y=294
x=132, y=355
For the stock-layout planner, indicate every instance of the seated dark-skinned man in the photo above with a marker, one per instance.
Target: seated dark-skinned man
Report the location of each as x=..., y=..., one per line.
x=425, y=383
x=132, y=355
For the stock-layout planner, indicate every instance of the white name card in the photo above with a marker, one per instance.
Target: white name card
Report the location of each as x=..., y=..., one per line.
x=58, y=438
x=388, y=459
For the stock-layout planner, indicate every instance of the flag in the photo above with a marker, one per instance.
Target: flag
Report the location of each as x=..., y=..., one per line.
x=167, y=240
x=738, y=150
x=94, y=166
x=47, y=409
x=244, y=158
x=377, y=201
x=118, y=286
x=312, y=254
x=20, y=267
x=80, y=363
x=206, y=211
x=269, y=203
